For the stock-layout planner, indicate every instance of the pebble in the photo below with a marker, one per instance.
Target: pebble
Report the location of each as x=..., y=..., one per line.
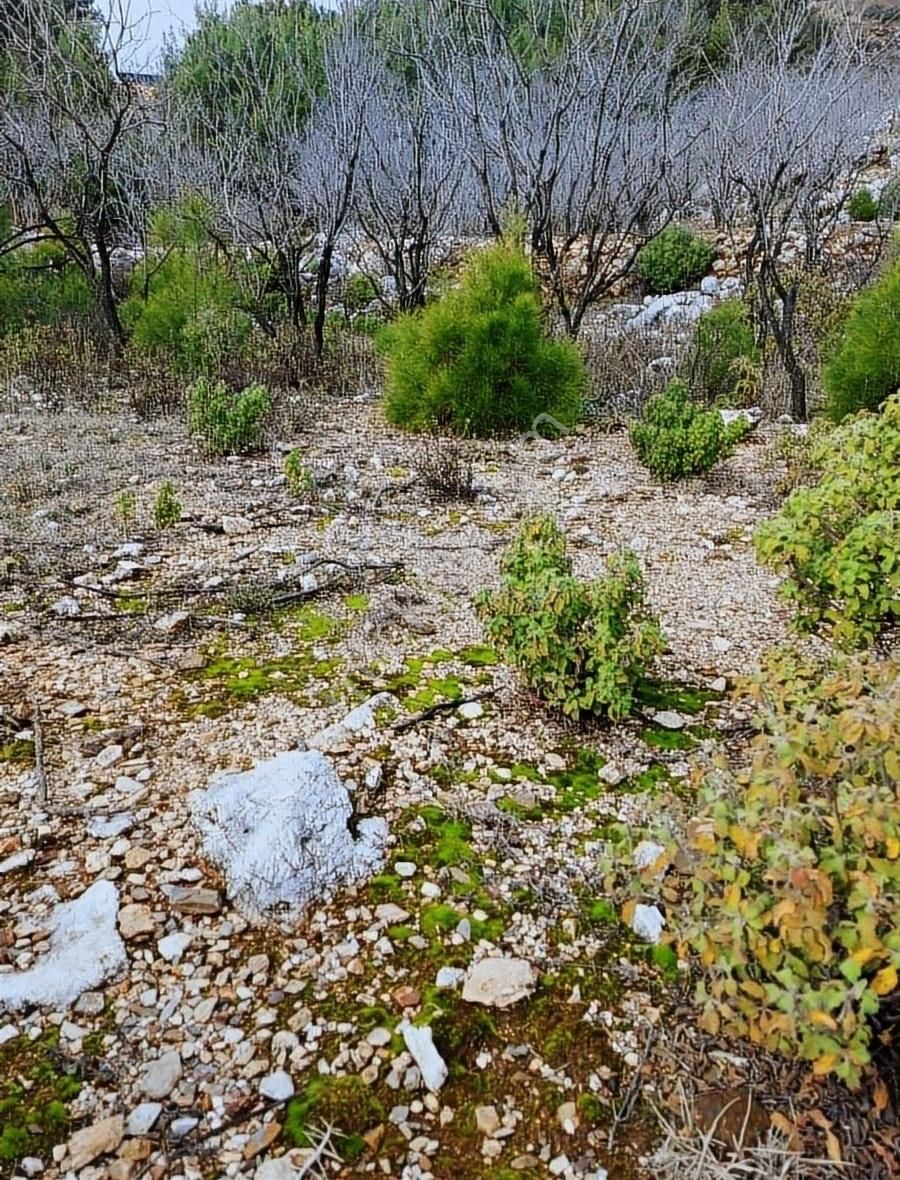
x=135, y=921
x=142, y=1118
x=173, y=946
x=487, y=1120
x=160, y=1077
x=405, y=868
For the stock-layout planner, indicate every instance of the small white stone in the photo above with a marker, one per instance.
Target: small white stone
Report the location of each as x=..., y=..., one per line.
x=647, y=853
x=471, y=710
x=143, y=1118
x=173, y=946
x=648, y=923
x=668, y=719
x=449, y=977
x=420, y=1044
x=278, y=1086
x=405, y=868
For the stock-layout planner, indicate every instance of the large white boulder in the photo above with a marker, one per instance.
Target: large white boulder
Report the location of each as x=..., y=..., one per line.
x=85, y=949
x=280, y=833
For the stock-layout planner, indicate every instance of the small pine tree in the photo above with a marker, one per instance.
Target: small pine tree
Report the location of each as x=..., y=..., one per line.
x=865, y=364
x=477, y=361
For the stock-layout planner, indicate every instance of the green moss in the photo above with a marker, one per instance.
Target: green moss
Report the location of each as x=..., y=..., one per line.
x=400, y=933
x=35, y=1086
x=346, y=1103
x=478, y=656
x=667, y=739
x=598, y=911
x=439, y=919
x=655, y=776
x=665, y=959
x=441, y=688
x=578, y=784
x=519, y=810
x=240, y=679
x=131, y=605
x=659, y=695
x=591, y=1109
x=356, y=602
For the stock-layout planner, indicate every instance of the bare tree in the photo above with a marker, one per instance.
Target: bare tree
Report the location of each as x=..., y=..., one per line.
x=780, y=150
x=73, y=139
x=324, y=163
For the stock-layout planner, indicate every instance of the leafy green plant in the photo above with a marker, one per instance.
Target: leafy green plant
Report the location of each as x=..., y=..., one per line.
x=791, y=908
x=477, y=361
x=865, y=358
x=724, y=355
x=675, y=438
x=862, y=205
x=166, y=506
x=227, y=423
x=297, y=475
x=359, y=291
x=39, y=285
x=838, y=542
x=889, y=201
x=674, y=260
x=126, y=509
x=582, y=646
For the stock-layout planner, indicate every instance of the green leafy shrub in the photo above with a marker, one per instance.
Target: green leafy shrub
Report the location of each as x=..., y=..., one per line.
x=889, y=201
x=865, y=358
x=862, y=206
x=582, y=646
x=675, y=438
x=723, y=355
x=227, y=423
x=39, y=285
x=794, y=885
x=477, y=360
x=674, y=260
x=838, y=542
x=359, y=291
x=166, y=506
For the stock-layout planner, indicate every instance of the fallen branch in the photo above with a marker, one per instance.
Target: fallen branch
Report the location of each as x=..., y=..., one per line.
x=440, y=707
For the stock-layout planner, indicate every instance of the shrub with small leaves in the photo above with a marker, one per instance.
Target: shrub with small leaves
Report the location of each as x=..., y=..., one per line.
x=864, y=367
x=166, y=506
x=582, y=646
x=675, y=438
x=723, y=356
x=297, y=475
x=674, y=260
x=838, y=542
x=862, y=205
x=359, y=291
x=227, y=423
x=791, y=907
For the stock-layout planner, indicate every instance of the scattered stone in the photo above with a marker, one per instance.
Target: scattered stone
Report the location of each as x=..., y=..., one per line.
x=109, y=756
x=8, y=1032
x=260, y=1140
x=66, y=608
x=31, y=1166
x=72, y=708
x=178, y=1128
x=499, y=982
x=360, y=720
x=160, y=1077
x=278, y=1086
x=405, y=868
x=407, y=997
x=420, y=1044
x=280, y=832
x=168, y=624
x=487, y=1120
x=610, y=774
x=567, y=1116
x=143, y=1118
x=449, y=977
x=109, y=829
x=647, y=853
x=91, y=1142
x=85, y=950
x=173, y=946
x=135, y=920
x=471, y=710
x=647, y=923
x=390, y=913
x=18, y=860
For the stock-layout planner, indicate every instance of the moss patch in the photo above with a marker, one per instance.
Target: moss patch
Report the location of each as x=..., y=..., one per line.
x=35, y=1090
x=345, y=1103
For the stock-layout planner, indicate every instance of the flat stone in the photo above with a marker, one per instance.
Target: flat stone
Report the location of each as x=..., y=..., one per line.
x=178, y=1128
x=471, y=710
x=193, y=899
x=647, y=923
x=160, y=1077
x=109, y=756
x=278, y=1086
x=18, y=860
x=391, y=913
x=405, y=868
x=499, y=982
x=135, y=921
x=260, y=1140
x=669, y=719
x=143, y=1118
x=91, y=1142
x=449, y=977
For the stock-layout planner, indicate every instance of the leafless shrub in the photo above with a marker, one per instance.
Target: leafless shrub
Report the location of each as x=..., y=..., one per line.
x=625, y=368
x=445, y=465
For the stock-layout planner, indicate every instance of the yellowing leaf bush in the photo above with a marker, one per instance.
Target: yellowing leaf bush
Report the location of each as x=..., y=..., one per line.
x=791, y=906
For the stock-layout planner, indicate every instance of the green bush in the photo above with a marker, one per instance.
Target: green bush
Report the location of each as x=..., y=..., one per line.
x=675, y=438
x=227, y=423
x=838, y=543
x=723, y=354
x=790, y=911
x=477, y=360
x=674, y=260
x=297, y=475
x=582, y=646
x=39, y=285
x=862, y=206
x=865, y=358
x=889, y=201
x=359, y=291
x=166, y=506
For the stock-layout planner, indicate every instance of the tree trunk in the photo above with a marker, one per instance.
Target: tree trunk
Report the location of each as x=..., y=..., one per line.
x=323, y=274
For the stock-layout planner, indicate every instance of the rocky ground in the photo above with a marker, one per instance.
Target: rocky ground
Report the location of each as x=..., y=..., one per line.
x=466, y=1004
